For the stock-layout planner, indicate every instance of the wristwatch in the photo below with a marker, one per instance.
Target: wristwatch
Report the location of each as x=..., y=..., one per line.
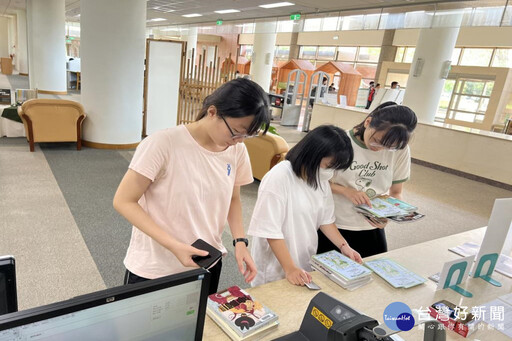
x=245, y=240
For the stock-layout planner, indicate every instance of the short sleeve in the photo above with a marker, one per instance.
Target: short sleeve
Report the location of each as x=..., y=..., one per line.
x=328, y=216
x=152, y=156
x=243, y=166
x=270, y=210
x=402, y=166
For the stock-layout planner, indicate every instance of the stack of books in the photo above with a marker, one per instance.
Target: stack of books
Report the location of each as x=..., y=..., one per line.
x=386, y=207
x=239, y=315
x=341, y=270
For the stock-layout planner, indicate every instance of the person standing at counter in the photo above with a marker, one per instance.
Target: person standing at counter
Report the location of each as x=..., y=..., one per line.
x=294, y=201
x=183, y=184
x=381, y=165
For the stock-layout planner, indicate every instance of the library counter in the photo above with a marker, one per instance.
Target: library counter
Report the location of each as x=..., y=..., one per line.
x=290, y=302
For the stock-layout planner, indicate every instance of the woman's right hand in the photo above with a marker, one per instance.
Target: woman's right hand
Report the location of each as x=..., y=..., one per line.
x=185, y=252
x=356, y=197
x=297, y=276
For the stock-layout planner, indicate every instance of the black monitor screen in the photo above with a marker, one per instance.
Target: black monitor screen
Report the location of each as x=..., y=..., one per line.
x=169, y=308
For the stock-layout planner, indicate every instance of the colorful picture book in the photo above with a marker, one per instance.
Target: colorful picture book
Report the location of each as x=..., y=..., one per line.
x=394, y=273
x=392, y=208
x=341, y=269
x=239, y=315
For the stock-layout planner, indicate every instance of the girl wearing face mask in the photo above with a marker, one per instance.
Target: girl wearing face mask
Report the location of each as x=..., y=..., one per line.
x=381, y=165
x=183, y=184
x=294, y=201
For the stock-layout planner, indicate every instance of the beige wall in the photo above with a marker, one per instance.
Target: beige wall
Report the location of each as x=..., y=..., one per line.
x=468, y=36
x=281, y=38
x=4, y=37
x=478, y=154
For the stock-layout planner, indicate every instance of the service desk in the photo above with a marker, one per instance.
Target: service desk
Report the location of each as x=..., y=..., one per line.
x=290, y=302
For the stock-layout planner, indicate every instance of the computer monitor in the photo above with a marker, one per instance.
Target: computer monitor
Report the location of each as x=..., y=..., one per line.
x=8, y=296
x=167, y=308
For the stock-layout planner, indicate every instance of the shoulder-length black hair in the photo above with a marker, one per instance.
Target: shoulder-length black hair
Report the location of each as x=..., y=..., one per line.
x=323, y=141
x=398, y=121
x=238, y=98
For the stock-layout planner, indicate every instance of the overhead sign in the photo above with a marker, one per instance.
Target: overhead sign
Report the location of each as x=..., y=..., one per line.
x=295, y=16
x=219, y=22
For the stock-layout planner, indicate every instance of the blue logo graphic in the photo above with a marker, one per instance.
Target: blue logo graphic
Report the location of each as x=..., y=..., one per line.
x=229, y=169
x=398, y=316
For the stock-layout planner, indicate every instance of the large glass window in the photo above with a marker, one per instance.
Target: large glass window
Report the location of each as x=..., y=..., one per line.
x=368, y=54
x=409, y=54
x=282, y=52
x=312, y=25
x=502, y=58
x=399, y=57
x=246, y=51
x=285, y=26
x=470, y=100
x=307, y=52
x=330, y=24
x=353, y=22
x=487, y=16
x=444, y=101
x=476, y=57
x=455, y=56
x=347, y=53
x=327, y=52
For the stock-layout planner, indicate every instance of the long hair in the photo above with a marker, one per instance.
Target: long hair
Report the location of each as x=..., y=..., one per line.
x=398, y=122
x=238, y=98
x=323, y=141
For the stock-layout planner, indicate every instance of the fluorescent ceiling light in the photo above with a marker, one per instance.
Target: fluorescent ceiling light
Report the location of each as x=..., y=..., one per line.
x=157, y=19
x=277, y=4
x=192, y=15
x=226, y=11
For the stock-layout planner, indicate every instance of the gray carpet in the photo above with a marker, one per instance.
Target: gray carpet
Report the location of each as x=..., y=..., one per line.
x=88, y=180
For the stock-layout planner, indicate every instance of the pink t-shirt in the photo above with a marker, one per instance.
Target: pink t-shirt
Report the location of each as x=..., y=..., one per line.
x=189, y=198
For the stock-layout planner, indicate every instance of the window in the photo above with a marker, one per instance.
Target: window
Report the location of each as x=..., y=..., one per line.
x=371, y=21
x=285, y=26
x=476, y=57
x=444, y=101
x=327, y=52
x=369, y=54
x=399, y=57
x=312, y=25
x=307, y=52
x=353, y=22
x=330, y=24
x=456, y=55
x=246, y=51
x=409, y=54
x=347, y=53
x=470, y=100
x=487, y=16
x=502, y=58
x=282, y=52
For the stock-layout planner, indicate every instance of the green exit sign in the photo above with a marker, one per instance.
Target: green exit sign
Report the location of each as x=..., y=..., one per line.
x=295, y=16
x=219, y=22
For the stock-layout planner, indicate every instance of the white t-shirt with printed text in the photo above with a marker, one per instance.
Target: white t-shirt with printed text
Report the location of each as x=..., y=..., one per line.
x=189, y=196
x=372, y=172
x=287, y=208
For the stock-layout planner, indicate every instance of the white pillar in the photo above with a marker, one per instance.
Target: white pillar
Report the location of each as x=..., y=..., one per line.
x=263, y=53
x=192, y=47
x=21, y=46
x=112, y=51
x=425, y=84
x=47, y=45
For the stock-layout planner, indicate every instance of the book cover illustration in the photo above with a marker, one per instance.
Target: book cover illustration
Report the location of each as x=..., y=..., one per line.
x=394, y=273
x=389, y=207
x=341, y=265
x=237, y=308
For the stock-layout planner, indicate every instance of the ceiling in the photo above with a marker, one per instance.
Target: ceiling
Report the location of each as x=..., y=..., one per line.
x=173, y=10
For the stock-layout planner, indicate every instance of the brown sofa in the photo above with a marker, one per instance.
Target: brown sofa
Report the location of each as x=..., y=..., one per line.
x=52, y=120
x=265, y=152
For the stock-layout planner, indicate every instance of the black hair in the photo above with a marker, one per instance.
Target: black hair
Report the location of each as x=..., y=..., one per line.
x=239, y=98
x=372, y=82
x=394, y=83
x=398, y=121
x=323, y=141
x=378, y=84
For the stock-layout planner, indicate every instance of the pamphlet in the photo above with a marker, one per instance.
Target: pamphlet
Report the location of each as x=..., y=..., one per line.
x=341, y=265
x=394, y=273
x=392, y=208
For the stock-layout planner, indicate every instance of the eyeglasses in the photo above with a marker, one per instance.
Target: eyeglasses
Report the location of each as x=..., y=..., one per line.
x=378, y=145
x=238, y=136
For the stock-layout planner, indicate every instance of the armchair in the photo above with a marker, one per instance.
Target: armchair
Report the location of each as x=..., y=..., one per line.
x=265, y=151
x=52, y=120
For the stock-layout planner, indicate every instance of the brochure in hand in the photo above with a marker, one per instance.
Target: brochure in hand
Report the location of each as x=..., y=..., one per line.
x=341, y=269
x=394, y=273
x=239, y=315
x=389, y=207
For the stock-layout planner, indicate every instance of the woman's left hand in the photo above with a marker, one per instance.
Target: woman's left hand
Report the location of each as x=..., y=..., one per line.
x=242, y=256
x=351, y=253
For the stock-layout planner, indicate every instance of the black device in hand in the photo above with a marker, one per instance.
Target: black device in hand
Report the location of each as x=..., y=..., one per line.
x=213, y=256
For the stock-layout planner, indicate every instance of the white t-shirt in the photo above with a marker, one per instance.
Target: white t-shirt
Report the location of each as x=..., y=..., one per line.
x=372, y=172
x=189, y=197
x=287, y=208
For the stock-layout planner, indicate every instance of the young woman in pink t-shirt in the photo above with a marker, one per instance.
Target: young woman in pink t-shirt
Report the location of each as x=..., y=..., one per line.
x=183, y=184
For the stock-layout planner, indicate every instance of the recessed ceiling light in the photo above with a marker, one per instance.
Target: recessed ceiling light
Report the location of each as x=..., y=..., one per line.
x=192, y=15
x=226, y=11
x=157, y=19
x=277, y=4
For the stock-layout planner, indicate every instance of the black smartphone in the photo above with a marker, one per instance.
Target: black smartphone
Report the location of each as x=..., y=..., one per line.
x=8, y=295
x=208, y=261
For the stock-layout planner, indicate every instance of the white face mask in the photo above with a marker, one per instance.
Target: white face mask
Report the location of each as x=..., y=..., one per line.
x=325, y=173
